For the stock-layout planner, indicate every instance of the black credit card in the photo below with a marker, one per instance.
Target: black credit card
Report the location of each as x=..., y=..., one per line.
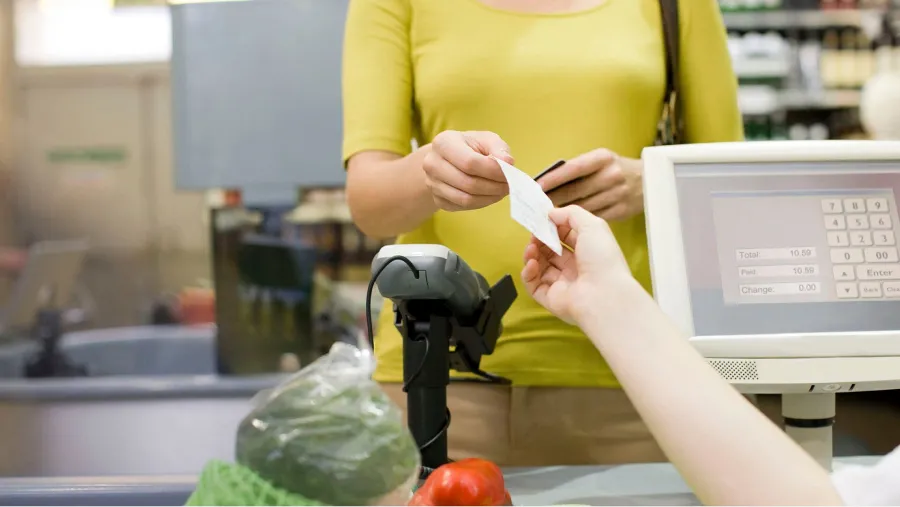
x=556, y=165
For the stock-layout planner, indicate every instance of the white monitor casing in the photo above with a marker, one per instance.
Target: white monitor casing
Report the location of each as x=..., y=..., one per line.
x=775, y=363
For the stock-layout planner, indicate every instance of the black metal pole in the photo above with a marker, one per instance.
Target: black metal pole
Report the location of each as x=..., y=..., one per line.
x=426, y=373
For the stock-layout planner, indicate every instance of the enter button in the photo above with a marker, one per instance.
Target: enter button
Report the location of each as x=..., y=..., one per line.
x=878, y=272
x=891, y=289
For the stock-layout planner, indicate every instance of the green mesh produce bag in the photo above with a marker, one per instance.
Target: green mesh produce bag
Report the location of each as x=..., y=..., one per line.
x=232, y=484
x=328, y=435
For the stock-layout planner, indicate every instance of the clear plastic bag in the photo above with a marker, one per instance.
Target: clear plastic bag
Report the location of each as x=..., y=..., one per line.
x=330, y=434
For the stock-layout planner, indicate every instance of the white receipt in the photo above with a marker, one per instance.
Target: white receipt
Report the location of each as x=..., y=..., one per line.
x=530, y=206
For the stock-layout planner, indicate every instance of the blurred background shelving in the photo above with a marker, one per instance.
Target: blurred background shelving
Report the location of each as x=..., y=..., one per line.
x=801, y=64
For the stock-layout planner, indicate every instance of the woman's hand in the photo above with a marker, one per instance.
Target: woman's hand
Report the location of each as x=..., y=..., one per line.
x=599, y=181
x=569, y=284
x=460, y=173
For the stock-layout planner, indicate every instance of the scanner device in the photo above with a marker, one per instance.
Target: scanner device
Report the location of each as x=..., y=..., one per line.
x=449, y=317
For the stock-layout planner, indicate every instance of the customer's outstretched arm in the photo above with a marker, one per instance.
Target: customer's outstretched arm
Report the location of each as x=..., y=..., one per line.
x=727, y=451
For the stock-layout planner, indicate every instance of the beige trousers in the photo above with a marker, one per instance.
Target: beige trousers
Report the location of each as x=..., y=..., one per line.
x=543, y=426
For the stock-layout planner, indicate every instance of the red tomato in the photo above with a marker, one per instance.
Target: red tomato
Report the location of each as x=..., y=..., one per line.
x=471, y=481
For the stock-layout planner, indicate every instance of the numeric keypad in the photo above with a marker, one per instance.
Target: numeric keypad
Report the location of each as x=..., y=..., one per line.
x=863, y=246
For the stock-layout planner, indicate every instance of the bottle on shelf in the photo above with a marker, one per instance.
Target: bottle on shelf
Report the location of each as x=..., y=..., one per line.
x=830, y=63
x=756, y=128
x=729, y=5
x=848, y=63
x=810, y=60
x=802, y=132
x=751, y=5
x=778, y=129
x=806, y=5
x=865, y=60
x=896, y=48
x=884, y=50
x=795, y=78
x=829, y=4
x=798, y=132
x=818, y=132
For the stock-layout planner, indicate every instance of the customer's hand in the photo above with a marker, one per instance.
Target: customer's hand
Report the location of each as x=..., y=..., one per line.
x=569, y=284
x=460, y=173
x=599, y=181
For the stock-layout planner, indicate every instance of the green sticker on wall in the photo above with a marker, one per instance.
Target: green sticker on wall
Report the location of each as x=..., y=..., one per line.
x=93, y=156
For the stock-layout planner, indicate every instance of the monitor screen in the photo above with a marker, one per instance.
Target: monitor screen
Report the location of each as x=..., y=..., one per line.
x=791, y=247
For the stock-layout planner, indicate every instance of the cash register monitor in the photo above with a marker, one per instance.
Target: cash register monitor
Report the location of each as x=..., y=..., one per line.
x=780, y=260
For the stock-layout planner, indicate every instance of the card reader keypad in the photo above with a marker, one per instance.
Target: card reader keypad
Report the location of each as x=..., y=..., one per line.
x=807, y=245
x=863, y=246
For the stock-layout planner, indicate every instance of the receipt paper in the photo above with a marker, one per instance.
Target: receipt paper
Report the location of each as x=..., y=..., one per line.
x=530, y=206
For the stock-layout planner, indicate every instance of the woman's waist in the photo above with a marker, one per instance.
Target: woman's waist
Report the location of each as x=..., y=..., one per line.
x=552, y=360
x=521, y=336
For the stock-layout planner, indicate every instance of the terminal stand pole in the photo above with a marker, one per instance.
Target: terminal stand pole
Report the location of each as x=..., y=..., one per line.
x=426, y=374
x=809, y=419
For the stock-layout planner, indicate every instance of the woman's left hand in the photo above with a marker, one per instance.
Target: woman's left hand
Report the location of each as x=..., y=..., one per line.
x=599, y=181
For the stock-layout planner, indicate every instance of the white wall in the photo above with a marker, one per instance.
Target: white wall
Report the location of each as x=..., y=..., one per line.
x=147, y=238
x=92, y=77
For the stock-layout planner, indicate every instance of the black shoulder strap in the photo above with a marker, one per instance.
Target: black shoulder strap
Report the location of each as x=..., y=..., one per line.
x=671, y=36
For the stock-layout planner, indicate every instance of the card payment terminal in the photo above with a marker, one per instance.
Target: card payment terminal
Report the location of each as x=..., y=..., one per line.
x=780, y=260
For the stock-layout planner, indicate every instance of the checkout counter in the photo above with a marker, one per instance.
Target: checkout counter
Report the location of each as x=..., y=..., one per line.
x=137, y=400
x=779, y=260
x=158, y=406
x=650, y=484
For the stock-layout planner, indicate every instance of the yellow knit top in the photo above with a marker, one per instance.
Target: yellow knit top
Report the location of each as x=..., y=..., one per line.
x=552, y=86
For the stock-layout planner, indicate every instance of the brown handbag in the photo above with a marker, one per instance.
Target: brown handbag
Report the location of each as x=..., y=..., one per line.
x=670, y=129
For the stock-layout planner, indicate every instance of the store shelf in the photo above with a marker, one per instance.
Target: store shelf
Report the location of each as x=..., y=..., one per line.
x=785, y=20
x=764, y=100
x=761, y=68
x=832, y=99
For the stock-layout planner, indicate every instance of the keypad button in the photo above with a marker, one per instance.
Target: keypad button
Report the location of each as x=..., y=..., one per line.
x=881, y=221
x=878, y=272
x=891, y=289
x=854, y=205
x=846, y=255
x=847, y=291
x=835, y=222
x=882, y=238
x=840, y=238
x=832, y=206
x=857, y=222
x=870, y=289
x=881, y=254
x=844, y=273
x=860, y=238
x=877, y=204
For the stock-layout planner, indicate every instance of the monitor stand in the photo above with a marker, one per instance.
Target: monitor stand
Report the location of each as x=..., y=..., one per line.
x=809, y=419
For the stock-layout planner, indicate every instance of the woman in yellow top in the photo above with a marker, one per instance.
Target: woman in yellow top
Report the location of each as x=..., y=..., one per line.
x=538, y=80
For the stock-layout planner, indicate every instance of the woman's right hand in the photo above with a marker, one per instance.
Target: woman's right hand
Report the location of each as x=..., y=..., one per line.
x=460, y=172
